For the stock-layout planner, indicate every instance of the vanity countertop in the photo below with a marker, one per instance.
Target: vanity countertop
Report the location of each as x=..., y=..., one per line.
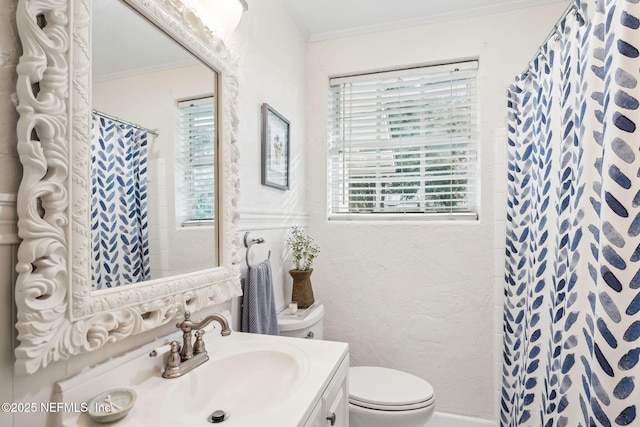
x=287, y=400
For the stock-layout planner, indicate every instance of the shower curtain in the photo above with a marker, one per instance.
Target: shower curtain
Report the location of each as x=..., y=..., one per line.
x=572, y=291
x=119, y=220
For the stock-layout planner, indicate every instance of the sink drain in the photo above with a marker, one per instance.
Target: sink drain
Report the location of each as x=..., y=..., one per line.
x=218, y=417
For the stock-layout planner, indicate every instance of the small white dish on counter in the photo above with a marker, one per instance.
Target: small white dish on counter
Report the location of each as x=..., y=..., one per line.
x=111, y=405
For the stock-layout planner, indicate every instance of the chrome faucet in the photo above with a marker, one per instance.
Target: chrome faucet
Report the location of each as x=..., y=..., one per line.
x=186, y=358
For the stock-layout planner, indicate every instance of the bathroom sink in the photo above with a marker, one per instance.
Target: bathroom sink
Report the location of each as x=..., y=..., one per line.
x=258, y=380
x=243, y=384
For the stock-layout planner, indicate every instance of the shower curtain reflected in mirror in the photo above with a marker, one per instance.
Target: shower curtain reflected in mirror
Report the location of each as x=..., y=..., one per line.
x=572, y=295
x=119, y=217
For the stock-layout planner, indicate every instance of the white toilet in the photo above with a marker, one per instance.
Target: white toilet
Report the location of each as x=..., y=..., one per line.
x=383, y=397
x=378, y=397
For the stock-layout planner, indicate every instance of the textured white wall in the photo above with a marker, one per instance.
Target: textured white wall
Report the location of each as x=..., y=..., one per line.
x=271, y=69
x=419, y=296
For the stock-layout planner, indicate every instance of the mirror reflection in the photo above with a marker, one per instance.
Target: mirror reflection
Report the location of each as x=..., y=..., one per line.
x=153, y=139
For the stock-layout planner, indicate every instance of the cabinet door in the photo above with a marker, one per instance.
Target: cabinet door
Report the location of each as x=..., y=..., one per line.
x=336, y=399
x=338, y=412
x=316, y=419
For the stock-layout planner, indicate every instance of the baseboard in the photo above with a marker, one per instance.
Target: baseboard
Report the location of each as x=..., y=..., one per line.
x=443, y=419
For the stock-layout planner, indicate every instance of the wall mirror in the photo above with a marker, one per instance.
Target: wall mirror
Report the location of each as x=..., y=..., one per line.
x=153, y=137
x=63, y=308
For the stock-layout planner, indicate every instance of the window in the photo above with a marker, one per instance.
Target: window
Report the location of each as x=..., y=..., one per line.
x=196, y=160
x=403, y=143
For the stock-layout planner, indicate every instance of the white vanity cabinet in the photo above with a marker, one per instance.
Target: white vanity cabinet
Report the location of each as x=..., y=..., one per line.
x=332, y=409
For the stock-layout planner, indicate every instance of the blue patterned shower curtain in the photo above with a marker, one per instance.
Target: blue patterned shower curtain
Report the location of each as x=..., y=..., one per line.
x=572, y=295
x=119, y=220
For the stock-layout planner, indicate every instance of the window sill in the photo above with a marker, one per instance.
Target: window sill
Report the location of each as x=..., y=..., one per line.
x=199, y=223
x=405, y=217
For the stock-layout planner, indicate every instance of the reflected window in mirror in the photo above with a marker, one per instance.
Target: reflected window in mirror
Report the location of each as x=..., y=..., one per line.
x=196, y=157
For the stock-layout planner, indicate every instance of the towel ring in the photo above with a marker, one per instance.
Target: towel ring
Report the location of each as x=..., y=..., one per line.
x=250, y=242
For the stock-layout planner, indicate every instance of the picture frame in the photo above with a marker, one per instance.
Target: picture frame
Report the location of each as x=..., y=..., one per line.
x=275, y=148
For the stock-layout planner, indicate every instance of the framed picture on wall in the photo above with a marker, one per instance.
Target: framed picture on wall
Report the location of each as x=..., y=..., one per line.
x=275, y=149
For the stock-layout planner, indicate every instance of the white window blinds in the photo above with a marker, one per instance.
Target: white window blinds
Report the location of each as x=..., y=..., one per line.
x=404, y=142
x=196, y=157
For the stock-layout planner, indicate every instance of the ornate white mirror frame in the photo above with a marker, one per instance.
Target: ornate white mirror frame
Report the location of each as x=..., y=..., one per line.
x=58, y=315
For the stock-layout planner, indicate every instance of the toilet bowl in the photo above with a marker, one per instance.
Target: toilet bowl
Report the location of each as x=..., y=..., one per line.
x=383, y=397
x=378, y=397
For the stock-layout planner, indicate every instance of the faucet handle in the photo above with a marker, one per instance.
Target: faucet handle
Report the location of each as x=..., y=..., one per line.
x=198, y=346
x=173, y=360
x=172, y=366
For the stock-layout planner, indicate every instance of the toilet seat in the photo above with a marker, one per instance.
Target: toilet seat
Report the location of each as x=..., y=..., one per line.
x=387, y=389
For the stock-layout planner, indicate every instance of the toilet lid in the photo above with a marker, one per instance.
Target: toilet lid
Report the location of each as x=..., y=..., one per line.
x=380, y=388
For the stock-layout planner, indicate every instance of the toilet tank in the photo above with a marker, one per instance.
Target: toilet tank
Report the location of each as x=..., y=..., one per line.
x=306, y=323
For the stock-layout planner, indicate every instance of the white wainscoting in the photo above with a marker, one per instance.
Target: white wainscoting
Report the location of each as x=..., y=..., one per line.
x=251, y=220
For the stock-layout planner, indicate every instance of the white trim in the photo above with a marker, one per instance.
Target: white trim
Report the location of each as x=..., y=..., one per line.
x=143, y=70
x=418, y=217
x=8, y=220
x=270, y=220
x=443, y=419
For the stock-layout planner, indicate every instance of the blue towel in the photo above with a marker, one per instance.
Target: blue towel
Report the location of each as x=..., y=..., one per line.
x=259, y=307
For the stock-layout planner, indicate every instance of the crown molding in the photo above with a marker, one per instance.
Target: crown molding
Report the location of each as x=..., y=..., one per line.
x=143, y=70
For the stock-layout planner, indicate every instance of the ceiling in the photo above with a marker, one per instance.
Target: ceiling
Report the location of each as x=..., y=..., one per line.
x=124, y=43
x=324, y=19
x=140, y=47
